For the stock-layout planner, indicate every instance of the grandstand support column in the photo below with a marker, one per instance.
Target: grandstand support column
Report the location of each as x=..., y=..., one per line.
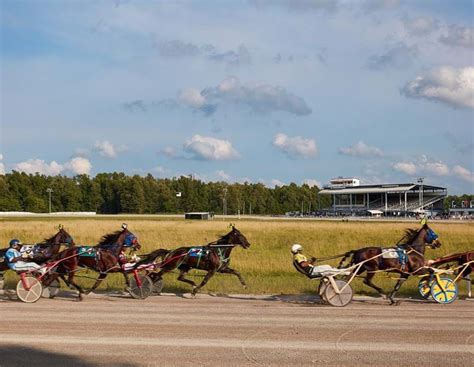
x=405, y=203
x=368, y=201
x=334, y=202
x=386, y=204
x=350, y=201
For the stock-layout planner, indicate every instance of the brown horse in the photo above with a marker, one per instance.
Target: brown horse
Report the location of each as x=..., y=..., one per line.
x=45, y=250
x=463, y=261
x=104, y=258
x=213, y=258
x=413, y=245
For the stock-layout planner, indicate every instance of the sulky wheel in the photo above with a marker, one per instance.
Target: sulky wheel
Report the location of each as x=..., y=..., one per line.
x=158, y=285
x=51, y=290
x=29, y=289
x=338, y=300
x=445, y=290
x=142, y=290
x=424, y=288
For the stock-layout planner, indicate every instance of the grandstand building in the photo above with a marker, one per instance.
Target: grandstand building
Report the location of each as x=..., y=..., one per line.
x=351, y=198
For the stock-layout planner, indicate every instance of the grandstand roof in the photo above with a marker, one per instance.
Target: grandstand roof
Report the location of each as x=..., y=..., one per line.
x=364, y=189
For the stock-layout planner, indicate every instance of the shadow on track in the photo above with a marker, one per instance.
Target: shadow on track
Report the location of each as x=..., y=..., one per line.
x=16, y=355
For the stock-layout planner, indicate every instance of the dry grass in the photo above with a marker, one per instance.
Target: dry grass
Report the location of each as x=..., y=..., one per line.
x=267, y=265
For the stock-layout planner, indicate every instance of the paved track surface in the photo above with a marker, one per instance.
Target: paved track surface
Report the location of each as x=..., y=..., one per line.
x=171, y=330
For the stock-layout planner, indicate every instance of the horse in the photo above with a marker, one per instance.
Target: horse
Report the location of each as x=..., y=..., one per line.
x=45, y=250
x=106, y=257
x=213, y=258
x=413, y=244
x=464, y=263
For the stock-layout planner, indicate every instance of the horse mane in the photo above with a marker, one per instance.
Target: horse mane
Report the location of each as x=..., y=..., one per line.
x=221, y=240
x=47, y=241
x=409, y=236
x=109, y=239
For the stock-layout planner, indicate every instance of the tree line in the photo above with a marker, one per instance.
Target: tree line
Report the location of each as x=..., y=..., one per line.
x=111, y=193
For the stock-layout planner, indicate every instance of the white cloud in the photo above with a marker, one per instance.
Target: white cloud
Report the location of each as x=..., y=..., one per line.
x=420, y=26
x=258, y=97
x=79, y=166
x=361, y=149
x=459, y=36
x=463, y=173
x=423, y=165
x=107, y=149
x=435, y=168
x=296, y=146
x=39, y=166
x=408, y=168
x=192, y=97
x=312, y=182
x=208, y=148
x=276, y=182
x=446, y=84
x=223, y=176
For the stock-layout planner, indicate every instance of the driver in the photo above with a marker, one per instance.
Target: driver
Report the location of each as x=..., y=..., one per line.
x=307, y=265
x=17, y=262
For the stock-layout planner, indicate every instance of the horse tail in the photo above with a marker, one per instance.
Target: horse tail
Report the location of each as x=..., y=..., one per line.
x=152, y=256
x=346, y=255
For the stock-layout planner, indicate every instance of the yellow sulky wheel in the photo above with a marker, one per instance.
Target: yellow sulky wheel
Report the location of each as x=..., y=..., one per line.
x=424, y=287
x=444, y=290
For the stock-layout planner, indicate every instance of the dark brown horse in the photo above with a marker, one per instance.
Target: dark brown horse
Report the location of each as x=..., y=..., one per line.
x=104, y=258
x=413, y=244
x=45, y=250
x=212, y=258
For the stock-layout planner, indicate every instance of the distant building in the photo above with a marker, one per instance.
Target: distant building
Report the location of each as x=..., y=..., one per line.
x=349, y=197
x=199, y=215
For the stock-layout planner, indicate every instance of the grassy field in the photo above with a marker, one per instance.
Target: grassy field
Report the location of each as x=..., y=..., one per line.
x=266, y=265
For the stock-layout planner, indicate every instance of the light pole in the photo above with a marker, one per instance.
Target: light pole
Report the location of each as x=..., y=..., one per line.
x=224, y=201
x=420, y=190
x=49, y=191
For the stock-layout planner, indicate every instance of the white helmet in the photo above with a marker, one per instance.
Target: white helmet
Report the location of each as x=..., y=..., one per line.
x=296, y=247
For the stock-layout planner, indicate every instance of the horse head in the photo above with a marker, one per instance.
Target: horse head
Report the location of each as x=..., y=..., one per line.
x=424, y=236
x=127, y=239
x=234, y=237
x=62, y=237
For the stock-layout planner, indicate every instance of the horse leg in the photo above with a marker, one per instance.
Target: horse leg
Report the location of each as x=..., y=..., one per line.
x=400, y=281
x=208, y=276
x=127, y=282
x=469, y=285
x=236, y=273
x=181, y=278
x=368, y=281
x=71, y=283
x=99, y=280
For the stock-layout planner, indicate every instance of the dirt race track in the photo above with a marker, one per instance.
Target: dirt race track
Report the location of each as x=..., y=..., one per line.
x=171, y=330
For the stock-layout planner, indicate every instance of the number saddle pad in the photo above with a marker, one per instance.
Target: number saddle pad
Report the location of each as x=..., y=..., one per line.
x=395, y=253
x=86, y=251
x=196, y=252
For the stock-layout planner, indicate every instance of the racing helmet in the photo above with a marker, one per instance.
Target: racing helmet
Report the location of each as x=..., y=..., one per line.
x=15, y=242
x=296, y=247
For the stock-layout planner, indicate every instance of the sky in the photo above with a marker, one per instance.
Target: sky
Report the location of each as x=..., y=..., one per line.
x=246, y=90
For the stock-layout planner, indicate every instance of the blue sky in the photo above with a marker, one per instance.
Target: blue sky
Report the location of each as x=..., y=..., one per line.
x=262, y=91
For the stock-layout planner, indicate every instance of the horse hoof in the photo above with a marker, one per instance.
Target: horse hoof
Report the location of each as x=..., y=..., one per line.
x=244, y=286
